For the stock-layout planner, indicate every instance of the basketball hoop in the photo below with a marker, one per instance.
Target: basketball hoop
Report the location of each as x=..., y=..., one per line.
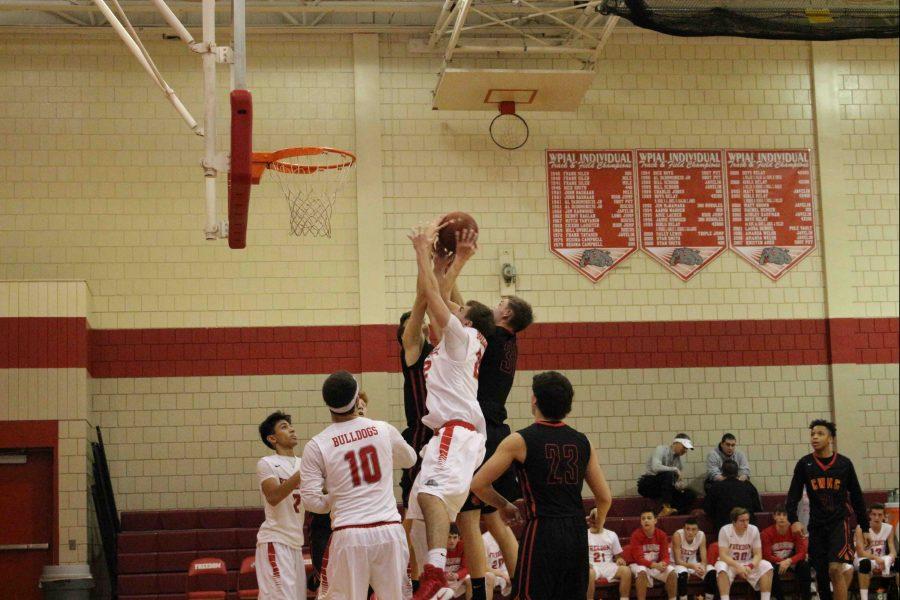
x=310, y=197
x=508, y=130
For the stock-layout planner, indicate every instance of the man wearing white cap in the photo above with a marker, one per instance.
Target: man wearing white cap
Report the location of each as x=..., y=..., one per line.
x=664, y=480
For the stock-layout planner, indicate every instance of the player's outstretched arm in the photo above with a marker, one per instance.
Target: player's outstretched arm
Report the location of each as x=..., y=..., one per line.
x=466, y=245
x=596, y=480
x=412, y=338
x=511, y=448
x=403, y=454
x=313, y=479
x=273, y=491
x=437, y=309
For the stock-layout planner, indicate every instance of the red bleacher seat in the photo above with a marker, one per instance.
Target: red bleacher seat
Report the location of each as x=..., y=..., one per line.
x=246, y=537
x=177, y=541
x=218, y=518
x=249, y=517
x=134, y=542
x=138, y=563
x=175, y=562
x=180, y=519
x=247, y=586
x=207, y=579
x=215, y=539
x=141, y=520
x=145, y=583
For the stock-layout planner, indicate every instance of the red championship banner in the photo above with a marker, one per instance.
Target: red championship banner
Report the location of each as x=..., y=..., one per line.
x=682, y=208
x=771, y=208
x=591, y=208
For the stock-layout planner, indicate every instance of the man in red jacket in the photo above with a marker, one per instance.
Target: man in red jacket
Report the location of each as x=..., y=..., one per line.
x=786, y=551
x=650, y=552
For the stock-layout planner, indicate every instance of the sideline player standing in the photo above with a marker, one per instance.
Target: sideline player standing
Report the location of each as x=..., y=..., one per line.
x=457, y=448
x=280, y=571
x=553, y=461
x=831, y=484
x=353, y=458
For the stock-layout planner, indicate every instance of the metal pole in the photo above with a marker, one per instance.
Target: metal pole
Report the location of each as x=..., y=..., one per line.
x=173, y=21
x=209, y=115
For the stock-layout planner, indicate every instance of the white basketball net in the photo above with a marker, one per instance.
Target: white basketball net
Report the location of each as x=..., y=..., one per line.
x=311, y=191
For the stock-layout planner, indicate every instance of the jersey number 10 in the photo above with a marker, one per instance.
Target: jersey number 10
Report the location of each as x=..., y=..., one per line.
x=367, y=463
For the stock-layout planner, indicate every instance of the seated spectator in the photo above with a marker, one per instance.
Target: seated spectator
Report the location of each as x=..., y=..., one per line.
x=497, y=578
x=727, y=494
x=726, y=450
x=455, y=570
x=650, y=556
x=664, y=480
x=689, y=556
x=875, y=556
x=786, y=551
x=607, y=564
x=740, y=555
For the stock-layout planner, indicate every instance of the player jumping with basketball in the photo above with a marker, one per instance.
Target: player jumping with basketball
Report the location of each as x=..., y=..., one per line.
x=280, y=572
x=457, y=448
x=831, y=484
x=353, y=459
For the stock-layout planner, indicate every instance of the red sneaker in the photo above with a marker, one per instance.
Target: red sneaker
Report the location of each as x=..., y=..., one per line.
x=430, y=583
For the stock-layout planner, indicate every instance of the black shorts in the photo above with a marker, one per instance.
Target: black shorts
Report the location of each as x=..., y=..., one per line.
x=507, y=485
x=553, y=560
x=417, y=438
x=830, y=542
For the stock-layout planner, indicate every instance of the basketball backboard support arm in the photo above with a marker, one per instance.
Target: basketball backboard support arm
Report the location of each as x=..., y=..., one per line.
x=211, y=230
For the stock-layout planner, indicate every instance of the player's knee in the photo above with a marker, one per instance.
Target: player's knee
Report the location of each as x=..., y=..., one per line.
x=624, y=574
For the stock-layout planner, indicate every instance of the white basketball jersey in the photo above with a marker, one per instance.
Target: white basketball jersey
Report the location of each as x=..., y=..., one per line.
x=740, y=546
x=453, y=385
x=357, y=460
x=603, y=547
x=493, y=553
x=878, y=541
x=690, y=552
x=284, y=521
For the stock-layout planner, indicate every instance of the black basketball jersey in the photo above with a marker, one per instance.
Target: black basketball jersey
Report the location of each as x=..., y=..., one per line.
x=833, y=491
x=414, y=393
x=556, y=459
x=496, y=373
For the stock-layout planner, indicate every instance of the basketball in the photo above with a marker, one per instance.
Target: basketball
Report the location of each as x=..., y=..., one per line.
x=453, y=222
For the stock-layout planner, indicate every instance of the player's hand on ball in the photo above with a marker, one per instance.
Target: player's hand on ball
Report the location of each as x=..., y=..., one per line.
x=441, y=263
x=510, y=513
x=421, y=239
x=466, y=243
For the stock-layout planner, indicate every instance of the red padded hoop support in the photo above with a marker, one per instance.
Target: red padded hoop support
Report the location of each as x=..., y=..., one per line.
x=240, y=172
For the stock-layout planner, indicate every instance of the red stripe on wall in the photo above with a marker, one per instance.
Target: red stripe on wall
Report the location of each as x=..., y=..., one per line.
x=62, y=342
x=43, y=342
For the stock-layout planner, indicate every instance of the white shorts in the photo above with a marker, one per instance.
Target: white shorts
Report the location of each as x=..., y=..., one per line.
x=280, y=572
x=605, y=570
x=888, y=561
x=755, y=574
x=680, y=569
x=652, y=574
x=357, y=557
x=449, y=461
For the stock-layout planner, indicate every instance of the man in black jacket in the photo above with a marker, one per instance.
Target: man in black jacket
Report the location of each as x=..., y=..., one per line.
x=729, y=493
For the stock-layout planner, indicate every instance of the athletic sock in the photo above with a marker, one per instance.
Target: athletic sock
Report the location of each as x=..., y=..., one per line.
x=725, y=597
x=765, y=595
x=437, y=558
x=478, y=591
x=863, y=594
